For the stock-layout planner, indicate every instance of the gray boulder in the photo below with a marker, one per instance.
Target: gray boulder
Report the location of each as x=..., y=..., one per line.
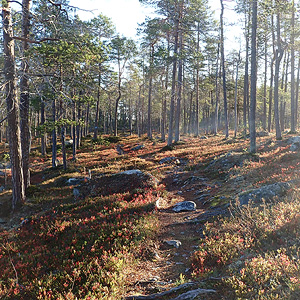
x=294, y=139
x=267, y=192
x=185, y=206
x=295, y=147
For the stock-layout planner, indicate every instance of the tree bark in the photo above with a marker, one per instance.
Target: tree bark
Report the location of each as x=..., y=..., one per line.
x=297, y=93
x=271, y=76
x=216, y=120
x=149, y=125
x=279, y=53
x=43, y=135
x=252, y=128
x=24, y=97
x=293, y=125
x=235, y=97
x=173, y=90
x=54, y=136
x=179, y=92
x=197, y=82
x=265, y=84
x=224, y=72
x=246, y=76
x=13, y=118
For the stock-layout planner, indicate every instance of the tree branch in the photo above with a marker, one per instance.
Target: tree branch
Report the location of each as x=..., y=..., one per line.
x=33, y=41
x=3, y=120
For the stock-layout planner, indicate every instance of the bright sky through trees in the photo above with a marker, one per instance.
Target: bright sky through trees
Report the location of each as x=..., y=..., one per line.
x=127, y=14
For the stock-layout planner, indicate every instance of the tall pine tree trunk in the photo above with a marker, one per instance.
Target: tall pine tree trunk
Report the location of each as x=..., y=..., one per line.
x=253, y=79
x=297, y=93
x=149, y=124
x=173, y=89
x=54, y=136
x=265, y=85
x=224, y=71
x=278, y=57
x=13, y=118
x=43, y=135
x=197, y=81
x=235, y=97
x=179, y=92
x=293, y=117
x=217, y=94
x=24, y=97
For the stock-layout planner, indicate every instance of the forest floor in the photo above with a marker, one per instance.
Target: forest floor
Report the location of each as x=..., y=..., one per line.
x=131, y=246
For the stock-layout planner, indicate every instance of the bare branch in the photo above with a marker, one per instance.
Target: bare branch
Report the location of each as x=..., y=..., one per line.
x=14, y=1
x=1, y=121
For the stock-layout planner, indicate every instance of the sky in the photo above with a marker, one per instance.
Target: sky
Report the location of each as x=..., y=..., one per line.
x=125, y=14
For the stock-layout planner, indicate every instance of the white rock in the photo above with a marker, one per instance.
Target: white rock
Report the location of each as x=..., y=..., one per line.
x=185, y=206
x=132, y=172
x=174, y=243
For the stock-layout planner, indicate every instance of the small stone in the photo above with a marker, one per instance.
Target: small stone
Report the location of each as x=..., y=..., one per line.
x=139, y=147
x=69, y=143
x=185, y=206
x=132, y=172
x=158, y=203
x=174, y=243
x=75, y=181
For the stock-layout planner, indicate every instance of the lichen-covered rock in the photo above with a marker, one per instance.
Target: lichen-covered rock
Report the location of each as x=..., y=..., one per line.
x=185, y=206
x=266, y=192
x=294, y=139
x=295, y=147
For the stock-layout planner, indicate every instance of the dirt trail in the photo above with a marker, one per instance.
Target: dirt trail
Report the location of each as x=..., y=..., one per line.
x=170, y=264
